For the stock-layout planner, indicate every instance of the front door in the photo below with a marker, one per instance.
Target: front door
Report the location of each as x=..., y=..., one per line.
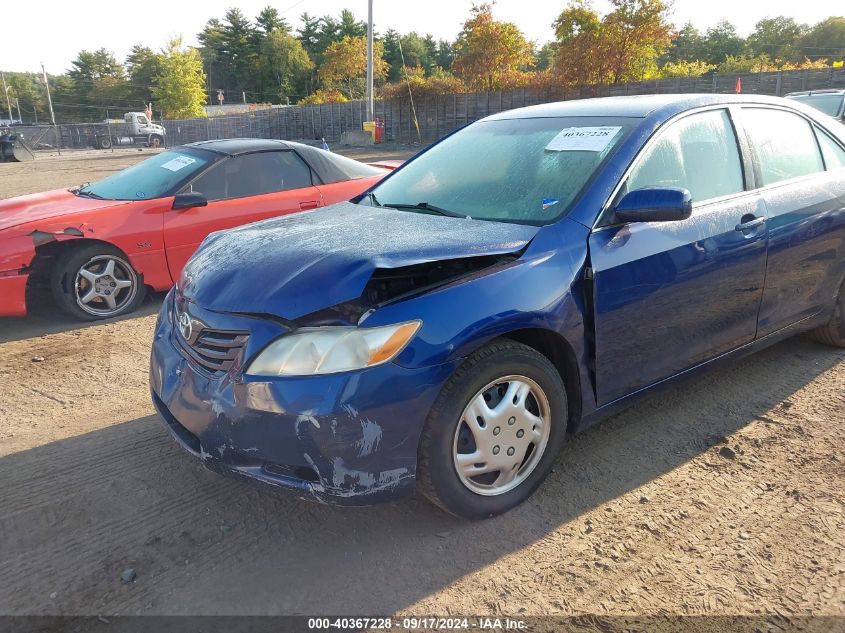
x=670, y=295
x=240, y=190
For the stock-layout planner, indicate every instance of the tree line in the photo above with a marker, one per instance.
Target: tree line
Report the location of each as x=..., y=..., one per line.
x=264, y=60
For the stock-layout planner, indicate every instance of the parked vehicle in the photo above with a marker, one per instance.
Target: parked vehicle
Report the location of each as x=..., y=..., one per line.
x=134, y=129
x=521, y=279
x=831, y=102
x=99, y=246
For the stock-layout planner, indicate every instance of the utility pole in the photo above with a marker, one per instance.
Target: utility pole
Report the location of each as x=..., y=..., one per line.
x=8, y=103
x=52, y=115
x=18, y=104
x=370, y=60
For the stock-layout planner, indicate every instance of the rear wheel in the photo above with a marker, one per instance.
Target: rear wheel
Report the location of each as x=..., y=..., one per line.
x=96, y=282
x=494, y=431
x=104, y=142
x=833, y=333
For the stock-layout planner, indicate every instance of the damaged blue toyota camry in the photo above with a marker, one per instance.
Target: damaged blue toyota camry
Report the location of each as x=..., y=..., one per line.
x=514, y=283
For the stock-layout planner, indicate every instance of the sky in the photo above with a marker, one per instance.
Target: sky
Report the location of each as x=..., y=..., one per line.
x=69, y=27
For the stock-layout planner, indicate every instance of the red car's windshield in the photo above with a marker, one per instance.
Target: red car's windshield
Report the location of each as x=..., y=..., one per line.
x=155, y=177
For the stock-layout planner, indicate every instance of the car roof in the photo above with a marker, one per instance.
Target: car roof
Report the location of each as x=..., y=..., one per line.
x=236, y=146
x=634, y=106
x=810, y=93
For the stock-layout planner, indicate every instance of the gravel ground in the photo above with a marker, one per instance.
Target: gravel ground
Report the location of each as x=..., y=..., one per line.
x=722, y=496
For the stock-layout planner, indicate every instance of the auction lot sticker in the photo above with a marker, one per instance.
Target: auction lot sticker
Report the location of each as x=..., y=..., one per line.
x=584, y=139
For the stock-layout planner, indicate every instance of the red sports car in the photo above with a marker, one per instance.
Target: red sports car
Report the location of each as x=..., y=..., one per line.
x=100, y=246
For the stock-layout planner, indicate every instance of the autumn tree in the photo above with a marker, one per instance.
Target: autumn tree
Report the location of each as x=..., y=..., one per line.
x=345, y=65
x=488, y=52
x=624, y=45
x=180, y=85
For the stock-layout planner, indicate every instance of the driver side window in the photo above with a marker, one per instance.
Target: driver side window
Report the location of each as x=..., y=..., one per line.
x=253, y=175
x=698, y=153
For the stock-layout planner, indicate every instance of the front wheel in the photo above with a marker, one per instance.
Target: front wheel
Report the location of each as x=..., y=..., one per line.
x=155, y=141
x=95, y=282
x=494, y=432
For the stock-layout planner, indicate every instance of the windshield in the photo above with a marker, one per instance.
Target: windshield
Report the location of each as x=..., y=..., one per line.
x=829, y=104
x=515, y=170
x=156, y=177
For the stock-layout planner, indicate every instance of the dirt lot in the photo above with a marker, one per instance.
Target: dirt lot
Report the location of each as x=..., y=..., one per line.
x=724, y=496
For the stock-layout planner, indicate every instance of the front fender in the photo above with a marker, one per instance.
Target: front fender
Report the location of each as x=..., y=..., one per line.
x=540, y=290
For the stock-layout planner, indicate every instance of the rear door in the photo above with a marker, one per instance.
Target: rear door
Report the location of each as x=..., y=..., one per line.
x=670, y=295
x=240, y=190
x=799, y=168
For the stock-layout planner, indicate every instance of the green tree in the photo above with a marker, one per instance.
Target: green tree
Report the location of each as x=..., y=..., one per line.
x=825, y=40
x=269, y=21
x=546, y=56
x=489, y=52
x=180, y=85
x=720, y=41
x=142, y=65
x=777, y=38
x=240, y=47
x=285, y=63
x=686, y=46
x=213, y=53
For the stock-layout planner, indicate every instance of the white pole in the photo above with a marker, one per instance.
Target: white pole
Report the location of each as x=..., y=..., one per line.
x=8, y=103
x=52, y=116
x=370, y=60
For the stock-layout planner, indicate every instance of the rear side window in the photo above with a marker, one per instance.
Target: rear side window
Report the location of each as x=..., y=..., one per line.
x=834, y=155
x=698, y=153
x=785, y=144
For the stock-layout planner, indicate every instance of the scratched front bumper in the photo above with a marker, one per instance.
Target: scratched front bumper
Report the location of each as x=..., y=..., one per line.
x=345, y=438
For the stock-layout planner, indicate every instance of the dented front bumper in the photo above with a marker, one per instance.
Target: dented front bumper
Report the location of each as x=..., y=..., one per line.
x=345, y=438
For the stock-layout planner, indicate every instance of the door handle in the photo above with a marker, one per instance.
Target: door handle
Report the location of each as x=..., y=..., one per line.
x=749, y=222
x=311, y=204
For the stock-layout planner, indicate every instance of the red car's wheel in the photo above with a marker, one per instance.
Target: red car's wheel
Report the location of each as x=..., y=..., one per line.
x=96, y=282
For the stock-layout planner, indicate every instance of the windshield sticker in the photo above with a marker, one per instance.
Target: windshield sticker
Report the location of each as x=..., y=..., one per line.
x=584, y=139
x=549, y=202
x=180, y=162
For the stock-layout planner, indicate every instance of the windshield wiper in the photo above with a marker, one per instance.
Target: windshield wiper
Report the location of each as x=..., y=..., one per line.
x=81, y=191
x=372, y=198
x=425, y=206
x=90, y=194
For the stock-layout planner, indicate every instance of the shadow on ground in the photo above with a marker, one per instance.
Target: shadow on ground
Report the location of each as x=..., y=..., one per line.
x=79, y=511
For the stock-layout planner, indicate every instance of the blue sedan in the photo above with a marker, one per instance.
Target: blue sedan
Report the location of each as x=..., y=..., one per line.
x=516, y=282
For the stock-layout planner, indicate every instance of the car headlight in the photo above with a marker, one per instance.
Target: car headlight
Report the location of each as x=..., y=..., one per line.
x=330, y=350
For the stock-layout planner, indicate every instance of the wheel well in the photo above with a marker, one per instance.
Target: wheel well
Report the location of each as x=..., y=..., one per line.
x=558, y=350
x=46, y=254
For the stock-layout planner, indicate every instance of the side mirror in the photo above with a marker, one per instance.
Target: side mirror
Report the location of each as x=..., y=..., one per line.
x=189, y=200
x=655, y=204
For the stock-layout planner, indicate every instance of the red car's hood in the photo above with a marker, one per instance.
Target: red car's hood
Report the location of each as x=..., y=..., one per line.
x=48, y=205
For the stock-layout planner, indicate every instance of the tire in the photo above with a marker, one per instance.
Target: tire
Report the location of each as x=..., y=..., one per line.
x=84, y=288
x=104, y=142
x=833, y=333
x=155, y=141
x=507, y=367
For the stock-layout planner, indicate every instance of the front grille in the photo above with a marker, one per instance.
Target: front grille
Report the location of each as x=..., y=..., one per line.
x=214, y=350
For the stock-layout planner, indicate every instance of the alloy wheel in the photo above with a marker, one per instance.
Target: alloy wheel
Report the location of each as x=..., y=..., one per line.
x=105, y=285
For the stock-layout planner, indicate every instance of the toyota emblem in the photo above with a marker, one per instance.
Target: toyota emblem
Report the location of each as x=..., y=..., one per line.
x=186, y=326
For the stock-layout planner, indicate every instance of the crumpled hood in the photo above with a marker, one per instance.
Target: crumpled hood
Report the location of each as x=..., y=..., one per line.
x=295, y=265
x=48, y=205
